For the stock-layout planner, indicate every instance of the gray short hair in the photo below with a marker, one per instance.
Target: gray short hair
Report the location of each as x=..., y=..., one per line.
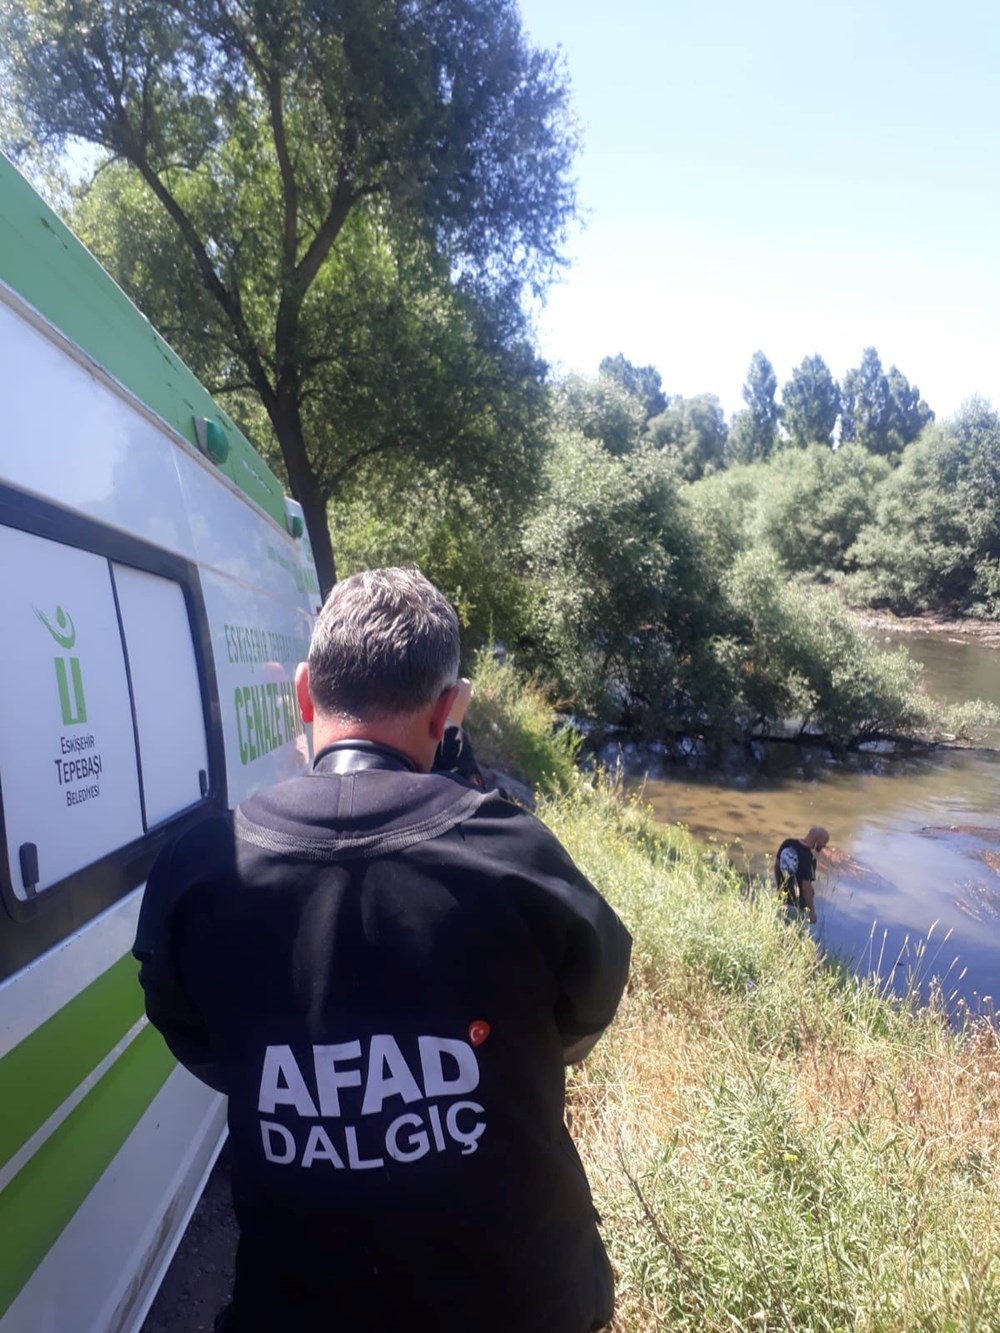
x=385, y=642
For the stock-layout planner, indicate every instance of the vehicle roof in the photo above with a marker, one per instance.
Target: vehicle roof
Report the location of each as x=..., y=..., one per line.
x=46, y=265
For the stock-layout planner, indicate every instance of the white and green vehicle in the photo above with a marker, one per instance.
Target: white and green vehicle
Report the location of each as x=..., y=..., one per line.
x=156, y=591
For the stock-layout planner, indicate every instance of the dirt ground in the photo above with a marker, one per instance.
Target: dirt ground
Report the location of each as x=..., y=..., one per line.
x=198, y=1282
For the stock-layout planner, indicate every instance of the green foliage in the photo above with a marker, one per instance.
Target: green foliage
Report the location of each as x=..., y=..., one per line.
x=817, y=502
x=796, y=656
x=754, y=431
x=910, y=414
x=613, y=556
x=866, y=406
x=882, y=412
x=693, y=432
x=601, y=409
x=935, y=538
x=642, y=382
x=468, y=548
x=514, y=728
x=810, y=403
x=726, y=511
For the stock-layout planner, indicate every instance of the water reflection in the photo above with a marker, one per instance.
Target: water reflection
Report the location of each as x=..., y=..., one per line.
x=916, y=839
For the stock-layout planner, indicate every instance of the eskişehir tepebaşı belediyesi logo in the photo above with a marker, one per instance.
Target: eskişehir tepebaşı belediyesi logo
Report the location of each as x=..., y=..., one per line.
x=77, y=762
x=68, y=670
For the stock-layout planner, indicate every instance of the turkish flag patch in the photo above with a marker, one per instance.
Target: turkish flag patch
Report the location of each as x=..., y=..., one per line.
x=479, y=1030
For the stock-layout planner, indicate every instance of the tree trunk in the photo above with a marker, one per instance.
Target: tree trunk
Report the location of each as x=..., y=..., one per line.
x=287, y=421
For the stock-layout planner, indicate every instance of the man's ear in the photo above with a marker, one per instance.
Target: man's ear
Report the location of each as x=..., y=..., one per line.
x=442, y=711
x=302, y=692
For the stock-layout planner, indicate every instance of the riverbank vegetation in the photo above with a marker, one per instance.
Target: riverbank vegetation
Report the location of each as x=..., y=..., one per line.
x=774, y=1144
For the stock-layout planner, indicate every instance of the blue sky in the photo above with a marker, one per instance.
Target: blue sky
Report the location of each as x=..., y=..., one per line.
x=798, y=177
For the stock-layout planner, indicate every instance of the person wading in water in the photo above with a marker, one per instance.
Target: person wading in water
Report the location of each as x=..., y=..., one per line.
x=795, y=869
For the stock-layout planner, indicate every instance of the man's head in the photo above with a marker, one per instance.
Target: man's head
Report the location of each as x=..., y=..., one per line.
x=816, y=838
x=384, y=656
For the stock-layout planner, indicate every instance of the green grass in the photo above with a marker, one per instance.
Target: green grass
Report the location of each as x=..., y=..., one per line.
x=773, y=1144
x=512, y=725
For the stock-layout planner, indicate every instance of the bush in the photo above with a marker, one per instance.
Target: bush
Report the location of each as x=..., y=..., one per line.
x=934, y=542
x=513, y=727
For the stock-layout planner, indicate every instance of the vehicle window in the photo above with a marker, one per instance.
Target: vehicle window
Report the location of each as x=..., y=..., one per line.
x=170, y=724
x=67, y=743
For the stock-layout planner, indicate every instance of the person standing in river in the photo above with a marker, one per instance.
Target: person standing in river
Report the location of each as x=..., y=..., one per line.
x=795, y=869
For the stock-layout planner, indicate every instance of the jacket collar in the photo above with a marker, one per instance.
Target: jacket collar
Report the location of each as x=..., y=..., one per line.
x=351, y=756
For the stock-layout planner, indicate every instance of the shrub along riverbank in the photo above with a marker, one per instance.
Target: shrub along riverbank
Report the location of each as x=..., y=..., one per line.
x=773, y=1143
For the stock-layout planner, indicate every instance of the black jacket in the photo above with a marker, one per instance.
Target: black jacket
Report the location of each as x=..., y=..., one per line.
x=386, y=970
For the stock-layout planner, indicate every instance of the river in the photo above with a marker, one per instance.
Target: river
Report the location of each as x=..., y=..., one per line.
x=905, y=895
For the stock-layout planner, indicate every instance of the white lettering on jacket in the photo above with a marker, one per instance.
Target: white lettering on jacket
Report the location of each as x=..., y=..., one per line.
x=356, y=1084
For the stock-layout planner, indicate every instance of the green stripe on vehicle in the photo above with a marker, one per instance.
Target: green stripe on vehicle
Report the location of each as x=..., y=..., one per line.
x=44, y=263
x=40, y=1072
x=43, y=1196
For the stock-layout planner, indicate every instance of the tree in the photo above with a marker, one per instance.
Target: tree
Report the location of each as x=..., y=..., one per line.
x=620, y=590
x=601, y=409
x=642, y=382
x=866, y=406
x=909, y=414
x=415, y=377
x=260, y=130
x=693, y=431
x=934, y=542
x=758, y=426
x=810, y=403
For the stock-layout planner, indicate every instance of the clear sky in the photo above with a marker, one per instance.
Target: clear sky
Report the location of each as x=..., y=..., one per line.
x=800, y=176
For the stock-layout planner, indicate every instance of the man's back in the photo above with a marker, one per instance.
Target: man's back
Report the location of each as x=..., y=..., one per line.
x=794, y=866
x=384, y=969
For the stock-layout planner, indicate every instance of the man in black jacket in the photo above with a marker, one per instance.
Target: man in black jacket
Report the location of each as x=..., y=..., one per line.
x=795, y=870
x=386, y=969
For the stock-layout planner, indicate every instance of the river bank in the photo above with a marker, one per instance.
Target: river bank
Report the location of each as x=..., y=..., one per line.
x=774, y=1143
x=955, y=628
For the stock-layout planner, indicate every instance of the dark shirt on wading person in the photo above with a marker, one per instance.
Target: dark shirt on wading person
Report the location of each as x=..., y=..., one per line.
x=386, y=971
x=794, y=866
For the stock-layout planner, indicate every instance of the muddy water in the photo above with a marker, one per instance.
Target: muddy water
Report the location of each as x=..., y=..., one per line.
x=916, y=841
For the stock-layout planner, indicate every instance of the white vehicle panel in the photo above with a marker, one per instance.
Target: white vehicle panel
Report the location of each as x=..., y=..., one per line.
x=80, y=444
x=70, y=738
x=94, y=1278
x=257, y=642
x=167, y=693
x=231, y=537
x=30, y=997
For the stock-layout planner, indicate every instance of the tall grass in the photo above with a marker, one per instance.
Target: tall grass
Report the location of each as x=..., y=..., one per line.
x=774, y=1144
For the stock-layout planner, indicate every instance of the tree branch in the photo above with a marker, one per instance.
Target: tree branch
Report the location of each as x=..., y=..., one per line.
x=340, y=206
x=289, y=190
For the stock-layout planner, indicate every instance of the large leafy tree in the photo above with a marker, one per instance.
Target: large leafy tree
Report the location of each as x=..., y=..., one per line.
x=810, y=403
x=414, y=376
x=642, y=382
x=601, y=409
x=261, y=129
x=934, y=542
x=693, y=432
x=621, y=596
x=884, y=413
x=866, y=406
